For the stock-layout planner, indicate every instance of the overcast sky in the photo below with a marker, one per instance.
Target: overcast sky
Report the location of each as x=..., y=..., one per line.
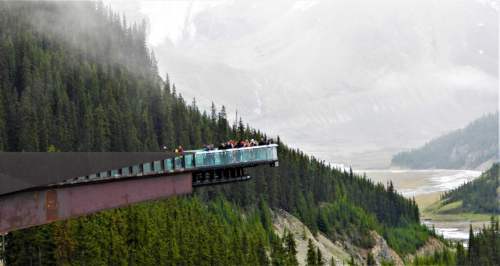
x=363, y=77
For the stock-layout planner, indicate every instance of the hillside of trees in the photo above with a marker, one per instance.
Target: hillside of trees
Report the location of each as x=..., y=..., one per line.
x=477, y=196
x=78, y=77
x=168, y=232
x=483, y=249
x=466, y=148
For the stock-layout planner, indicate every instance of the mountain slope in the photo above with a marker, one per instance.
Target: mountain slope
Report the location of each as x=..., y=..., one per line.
x=466, y=148
x=59, y=93
x=478, y=196
x=482, y=249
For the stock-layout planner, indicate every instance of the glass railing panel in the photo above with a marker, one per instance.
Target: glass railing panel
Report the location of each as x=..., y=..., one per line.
x=230, y=157
x=218, y=157
x=103, y=174
x=125, y=171
x=188, y=161
x=114, y=173
x=146, y=168
x=168, y=165
x=259, y=155
x=234, y=156
x=201, y=160
x=157, y=167
x=268, y=154
x=178, y=163
x=222, y=158
x=243, y=155
x=207, y=159
x=136, y=169
x=246, y=155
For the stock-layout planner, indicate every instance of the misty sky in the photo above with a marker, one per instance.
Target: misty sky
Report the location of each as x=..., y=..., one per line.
x=344, y=80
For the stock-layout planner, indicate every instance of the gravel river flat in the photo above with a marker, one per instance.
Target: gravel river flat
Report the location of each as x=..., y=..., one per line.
x=426, y=186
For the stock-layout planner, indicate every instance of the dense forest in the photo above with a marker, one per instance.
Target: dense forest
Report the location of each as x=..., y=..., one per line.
x=483, y=249
x=168, y=232
x=466, y=148
x=78, y=77
x=479, y=195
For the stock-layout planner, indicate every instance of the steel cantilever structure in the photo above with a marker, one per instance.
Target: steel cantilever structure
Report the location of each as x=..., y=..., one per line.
x=39, y=188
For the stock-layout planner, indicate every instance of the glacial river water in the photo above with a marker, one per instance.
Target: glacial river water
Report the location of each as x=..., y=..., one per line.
x=412, y=183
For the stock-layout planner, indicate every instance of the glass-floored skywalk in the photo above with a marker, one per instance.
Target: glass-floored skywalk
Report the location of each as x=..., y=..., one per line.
x=192, y=161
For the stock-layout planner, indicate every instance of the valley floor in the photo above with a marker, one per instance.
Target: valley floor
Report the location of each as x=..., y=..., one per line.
x=451, y=225
x=426, y=186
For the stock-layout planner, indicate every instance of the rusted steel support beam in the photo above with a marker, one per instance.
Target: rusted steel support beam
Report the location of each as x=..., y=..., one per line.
x=31, y=208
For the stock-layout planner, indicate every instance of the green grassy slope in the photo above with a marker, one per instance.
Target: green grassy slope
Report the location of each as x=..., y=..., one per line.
x=473, y=201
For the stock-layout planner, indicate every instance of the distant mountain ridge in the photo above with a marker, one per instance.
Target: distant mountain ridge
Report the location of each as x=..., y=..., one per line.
x=475, y=146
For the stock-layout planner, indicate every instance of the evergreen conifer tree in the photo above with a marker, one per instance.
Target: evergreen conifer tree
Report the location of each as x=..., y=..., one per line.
x=370, y=260
x=352, y=262
x=28, y=140
x=461, y=258
x=471, y=253
x=332, y=261
x=311, y=258
x=291, y=248
x=319, y=258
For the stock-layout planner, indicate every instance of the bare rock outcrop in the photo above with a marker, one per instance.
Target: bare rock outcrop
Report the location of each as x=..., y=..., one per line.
x=382, y=252
x=283, y=220
x=341, y=251
x=431, y=245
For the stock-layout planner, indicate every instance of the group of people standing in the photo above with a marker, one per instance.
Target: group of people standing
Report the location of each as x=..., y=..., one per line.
x=232, y=144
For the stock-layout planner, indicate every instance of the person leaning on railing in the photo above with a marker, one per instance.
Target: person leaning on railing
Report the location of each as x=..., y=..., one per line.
x=208, y=147
x=179, y=150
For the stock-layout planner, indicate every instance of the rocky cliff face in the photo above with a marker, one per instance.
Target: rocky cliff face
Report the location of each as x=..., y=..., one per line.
x=432, y=245
x=340, y=251
x=383, y=253
x=283, y=220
